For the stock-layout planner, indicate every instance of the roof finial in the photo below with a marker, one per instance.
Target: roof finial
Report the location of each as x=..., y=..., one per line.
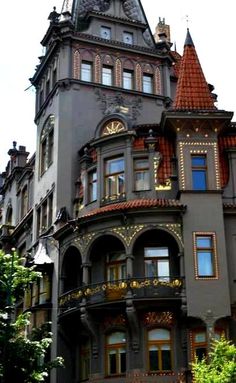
x=187, y=21
x=54, y=16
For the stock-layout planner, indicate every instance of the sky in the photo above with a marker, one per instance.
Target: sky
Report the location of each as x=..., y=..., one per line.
x=24, y=23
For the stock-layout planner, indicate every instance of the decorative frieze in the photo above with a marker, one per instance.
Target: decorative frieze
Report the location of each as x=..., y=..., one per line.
x=127, y=233
x=153, y=318
x=76, y=65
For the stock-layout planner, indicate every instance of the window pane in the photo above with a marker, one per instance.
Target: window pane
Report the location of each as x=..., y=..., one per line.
x=200, y=337
x=115, y=166
x=107, y=76
x=166, y=357
x=142, y=180
x=128, y=80
x=199, y=179
x=204, y=242
x=122, y=361
x=153, y=360
x=198, y=161
x=201, y=352
x=86, y=72
x=205, y=266
x=159, y=334
x=112, y=363
x=163, y=268
x=117, y=337
x=150, y=269
x=147, y=84
x=121, y=180
x=156, y=252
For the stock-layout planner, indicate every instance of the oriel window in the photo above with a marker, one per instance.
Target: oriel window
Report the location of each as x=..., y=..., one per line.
x=114, y=177
x=157, y=263
x=141, y=174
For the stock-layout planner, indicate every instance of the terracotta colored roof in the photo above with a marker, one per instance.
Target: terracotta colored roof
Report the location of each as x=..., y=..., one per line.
x=135, y=204
x=192, y=89
x=176, y=65
x=225, y=143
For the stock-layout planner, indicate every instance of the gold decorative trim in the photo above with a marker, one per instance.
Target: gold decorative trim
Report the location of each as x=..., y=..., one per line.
x=97, y=69
x=153, y=318
x=127, y=233
x=157, y=81
x=196, y=150
x=139, y=84
x=164, y=187
x=76, y=65
x=83, y=241
x=175, y=228
x=118, y=77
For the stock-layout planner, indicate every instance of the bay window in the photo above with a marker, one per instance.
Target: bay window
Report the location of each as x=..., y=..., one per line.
x=114, y=177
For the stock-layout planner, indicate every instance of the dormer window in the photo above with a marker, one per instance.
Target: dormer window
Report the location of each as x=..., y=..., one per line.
x=105, y=33
x=128, y=38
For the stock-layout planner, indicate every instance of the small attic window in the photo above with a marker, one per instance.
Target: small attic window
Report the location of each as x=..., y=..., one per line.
x=128, y=38
x=105, y=32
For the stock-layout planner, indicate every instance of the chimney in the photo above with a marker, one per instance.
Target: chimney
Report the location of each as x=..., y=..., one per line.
x=162, y=32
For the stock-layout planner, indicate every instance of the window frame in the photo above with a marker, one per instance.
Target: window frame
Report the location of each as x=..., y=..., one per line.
x=151, y=83
x=46, y=145
x=130, y=80
x=115, y=175
x=196, y=170
x=116, y=347
x=92, y=185
x=156, y=260
x=212, y=249
x=141, y=170
x=104, y=29
x=108, y=75
x=128, y=35
x=118, y=264
x=84, y=72
x=159, y=343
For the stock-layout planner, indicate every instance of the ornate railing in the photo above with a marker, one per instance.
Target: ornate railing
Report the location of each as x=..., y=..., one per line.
x=112, y=291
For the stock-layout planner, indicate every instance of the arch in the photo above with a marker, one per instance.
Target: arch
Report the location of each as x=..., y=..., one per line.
x=110, y=118
x=128, y=64
x=107, y=258
x=156, y=255
x=71, y=270
x=168, y=228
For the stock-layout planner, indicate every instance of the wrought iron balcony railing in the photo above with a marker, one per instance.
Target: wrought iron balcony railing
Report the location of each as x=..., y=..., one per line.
x=141, y=288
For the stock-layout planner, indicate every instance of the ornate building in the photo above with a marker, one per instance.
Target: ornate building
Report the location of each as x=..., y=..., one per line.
x=128, y=205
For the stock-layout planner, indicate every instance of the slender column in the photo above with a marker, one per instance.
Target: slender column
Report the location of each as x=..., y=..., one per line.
x=129, y=264
x=85, y=274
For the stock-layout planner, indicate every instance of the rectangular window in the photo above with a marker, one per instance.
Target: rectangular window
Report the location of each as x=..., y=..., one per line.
x=157, y=263
x=86, y=71
x=50, y=146
x=105, y=33
x=92, y=180
x=54, y=77
x=107, y=75
x=128, y=79
x=114, y=177
x=128, y=38
x=147, y=83
x=141, y=174
x=205, y=255
x=43, y=156
x=199, y=172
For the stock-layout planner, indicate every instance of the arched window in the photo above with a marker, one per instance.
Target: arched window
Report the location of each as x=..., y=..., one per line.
x=46, y=145
x=116, y=353
x=159, y=350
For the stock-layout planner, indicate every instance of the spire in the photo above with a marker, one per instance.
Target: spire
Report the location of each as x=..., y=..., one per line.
x=192, y=91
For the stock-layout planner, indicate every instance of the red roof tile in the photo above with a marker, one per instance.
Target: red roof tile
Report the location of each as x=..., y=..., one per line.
x=192, y=91
x=135, y=204
x=225, y=143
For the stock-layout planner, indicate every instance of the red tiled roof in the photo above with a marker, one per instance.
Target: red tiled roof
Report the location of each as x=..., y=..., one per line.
x=225, y=143
x=135, y=204
x=176, y=66
x=192, y=91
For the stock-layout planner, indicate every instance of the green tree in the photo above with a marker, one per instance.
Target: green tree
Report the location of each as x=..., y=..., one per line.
x=221, y=367
x=22, y=358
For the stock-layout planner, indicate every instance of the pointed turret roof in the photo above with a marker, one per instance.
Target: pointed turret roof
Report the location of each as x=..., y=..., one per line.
x=192, y=91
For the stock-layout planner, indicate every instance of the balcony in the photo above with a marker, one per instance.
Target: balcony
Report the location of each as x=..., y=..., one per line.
x=107, y=292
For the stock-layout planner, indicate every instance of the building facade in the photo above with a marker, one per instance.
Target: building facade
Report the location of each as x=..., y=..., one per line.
x=128, y=205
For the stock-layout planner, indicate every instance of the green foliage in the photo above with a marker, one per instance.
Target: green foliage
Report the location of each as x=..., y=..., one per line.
x=23, y=359
x=221, y=367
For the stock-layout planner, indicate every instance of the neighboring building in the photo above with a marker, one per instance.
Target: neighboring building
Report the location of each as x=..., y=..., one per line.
x=128, y=206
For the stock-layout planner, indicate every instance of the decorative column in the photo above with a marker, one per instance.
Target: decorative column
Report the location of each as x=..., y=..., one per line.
x=85, y=273
x=129, y=265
